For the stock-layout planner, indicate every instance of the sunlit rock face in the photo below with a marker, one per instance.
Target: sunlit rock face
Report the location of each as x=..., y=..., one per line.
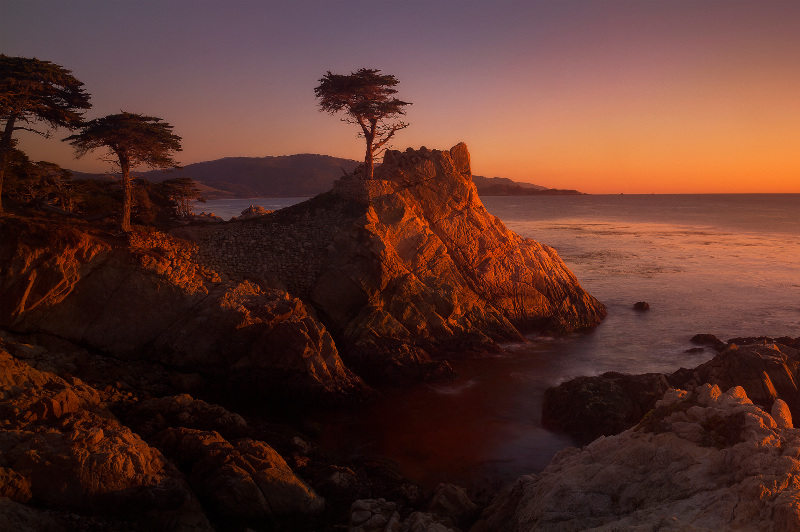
x=704, y=460
x=425, y=266
x=148, y=298
x=403, y=271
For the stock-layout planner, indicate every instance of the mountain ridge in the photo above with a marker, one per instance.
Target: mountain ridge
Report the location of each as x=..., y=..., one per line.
x=299, y=175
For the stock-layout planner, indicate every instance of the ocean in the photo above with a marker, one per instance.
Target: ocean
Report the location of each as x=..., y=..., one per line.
x=723, y=264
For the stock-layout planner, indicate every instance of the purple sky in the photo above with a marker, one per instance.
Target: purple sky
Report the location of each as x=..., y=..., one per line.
x=602, y=96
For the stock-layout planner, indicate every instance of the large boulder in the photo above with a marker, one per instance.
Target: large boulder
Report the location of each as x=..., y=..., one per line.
x=701, y=461
x=589, y=407
x=148, y=298
x=240, y=480
x=61, y=449
x=408, y=268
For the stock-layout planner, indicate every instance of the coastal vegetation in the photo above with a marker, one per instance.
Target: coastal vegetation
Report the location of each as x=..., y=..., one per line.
x=134, y=140
x=34, y=92
x=367, y=99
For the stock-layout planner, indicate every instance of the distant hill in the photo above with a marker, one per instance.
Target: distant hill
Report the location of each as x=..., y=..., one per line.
x=487, y=182
x=296, y=176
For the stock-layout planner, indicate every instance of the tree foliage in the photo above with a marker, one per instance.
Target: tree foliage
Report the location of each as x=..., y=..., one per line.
x=367, y=98
x=38, y=182
x=34, y=91
x=131, y=140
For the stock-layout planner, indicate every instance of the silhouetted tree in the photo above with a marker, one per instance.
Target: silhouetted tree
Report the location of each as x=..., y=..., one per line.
x=132, y=140
x=42, y=181
x=366, y=97
x=181, y=191
x=36, y=91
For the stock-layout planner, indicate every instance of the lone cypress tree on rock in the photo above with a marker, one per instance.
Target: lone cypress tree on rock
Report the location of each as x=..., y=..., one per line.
x=366, y=97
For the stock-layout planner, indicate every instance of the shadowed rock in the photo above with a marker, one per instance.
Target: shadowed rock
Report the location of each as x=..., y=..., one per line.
x=703, y=460
x=149, y=299
x=589, y=407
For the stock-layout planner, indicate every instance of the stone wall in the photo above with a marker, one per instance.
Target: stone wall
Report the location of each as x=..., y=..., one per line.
x=269, y=249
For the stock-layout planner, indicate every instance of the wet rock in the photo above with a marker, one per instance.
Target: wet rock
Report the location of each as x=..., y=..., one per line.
x=708, y=460
x=588, y=407
x=709, y=340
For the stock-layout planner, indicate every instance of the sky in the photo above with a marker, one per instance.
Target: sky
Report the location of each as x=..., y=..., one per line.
x=602, y=96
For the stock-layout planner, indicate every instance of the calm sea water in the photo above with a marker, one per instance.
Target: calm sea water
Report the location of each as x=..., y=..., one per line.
x=722, y=264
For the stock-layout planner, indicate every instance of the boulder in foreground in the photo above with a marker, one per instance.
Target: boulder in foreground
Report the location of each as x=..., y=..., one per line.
x=704, y=460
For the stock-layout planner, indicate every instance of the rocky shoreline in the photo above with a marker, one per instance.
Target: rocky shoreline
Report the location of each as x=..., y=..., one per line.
x=91, y=442
x=160, y=381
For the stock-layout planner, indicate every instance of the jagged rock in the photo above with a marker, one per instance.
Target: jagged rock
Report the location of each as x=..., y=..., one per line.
x=154, y=415
x=244, y=479
x=380, y=515
x=149, y=299
x=452, y=503
x=14, y=486
x=427, y=265
x=374, y=515
x=588, y=407
x=766, y=372
x=405, y=269
x=29, y=396
x=701, y=461
x=59, y=447
x=253, y=211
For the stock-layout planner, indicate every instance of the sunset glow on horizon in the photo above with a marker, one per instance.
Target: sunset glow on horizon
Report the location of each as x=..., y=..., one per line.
x=602, y=97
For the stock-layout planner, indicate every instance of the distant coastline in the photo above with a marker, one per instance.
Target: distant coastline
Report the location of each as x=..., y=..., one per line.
x=302, y=175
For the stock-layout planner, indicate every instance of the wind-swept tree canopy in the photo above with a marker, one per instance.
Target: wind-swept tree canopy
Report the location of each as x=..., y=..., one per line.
x=366, y=97
x=34, y=91
x=131, y=140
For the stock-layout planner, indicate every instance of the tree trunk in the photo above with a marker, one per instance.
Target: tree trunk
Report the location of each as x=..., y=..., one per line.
x=125, y=167
x=369, y=166
x=5, y=151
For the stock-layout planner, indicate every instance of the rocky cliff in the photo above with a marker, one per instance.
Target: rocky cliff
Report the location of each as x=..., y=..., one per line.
x=588, y=407
x=705, y=460
x=408, y=267
x=147, y=299
x=393, y=275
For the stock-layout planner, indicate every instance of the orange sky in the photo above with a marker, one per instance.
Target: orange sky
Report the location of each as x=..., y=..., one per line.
x=604, y=97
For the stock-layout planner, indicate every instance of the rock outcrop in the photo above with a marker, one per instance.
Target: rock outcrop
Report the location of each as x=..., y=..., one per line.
x=703, y=460
x=60, y=448
x=148, y=299
x=407, y=268
x=589, y=407
x=403, y=270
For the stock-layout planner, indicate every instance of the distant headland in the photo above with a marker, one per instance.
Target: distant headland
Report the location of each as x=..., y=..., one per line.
x=301, y=175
